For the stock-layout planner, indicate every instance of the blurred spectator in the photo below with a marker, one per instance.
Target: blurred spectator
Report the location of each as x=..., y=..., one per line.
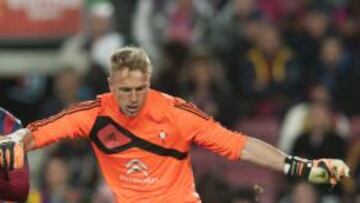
x=81, y=172
x=243, y=195
x=230, y=29
x=204, y=83
x=82, y=165
x=55, y=184
x=320, y=140
x=103, y=194
x=23, y=94
x=212, y=189
x=306, y=42
x=295, y=119
x=156, y=22
x=273, y=10
x=302, y=192
x=350, y=29
x=352, y=185
x=278, y=10
x=357, y=197
x=174, y=56
x=89, y=52
x=147, y=26
x=269, y=75
x=180, y=27
x=122, y=10
x=333, y=66
x=68, y=89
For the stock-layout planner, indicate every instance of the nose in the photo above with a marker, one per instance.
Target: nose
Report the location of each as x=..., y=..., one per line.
x=133, y=96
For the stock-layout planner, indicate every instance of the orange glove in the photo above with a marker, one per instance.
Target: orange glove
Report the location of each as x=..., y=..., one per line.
x=335, y=169
x=321, y=171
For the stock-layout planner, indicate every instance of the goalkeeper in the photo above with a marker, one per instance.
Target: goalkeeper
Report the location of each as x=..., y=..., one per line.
x=142, y=137
x=14, y=185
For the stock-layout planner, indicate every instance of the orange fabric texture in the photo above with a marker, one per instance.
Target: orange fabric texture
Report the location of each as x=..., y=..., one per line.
x=134, y=174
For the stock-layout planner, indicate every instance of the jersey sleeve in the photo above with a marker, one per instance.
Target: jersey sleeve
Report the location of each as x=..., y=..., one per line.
x=196, y=126
x=73, y=122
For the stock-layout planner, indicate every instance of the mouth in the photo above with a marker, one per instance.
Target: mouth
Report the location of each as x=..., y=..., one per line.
x=132, y=106
x=132, y=109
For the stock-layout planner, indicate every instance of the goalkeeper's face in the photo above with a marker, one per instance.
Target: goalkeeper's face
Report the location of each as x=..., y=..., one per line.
x=130, y=88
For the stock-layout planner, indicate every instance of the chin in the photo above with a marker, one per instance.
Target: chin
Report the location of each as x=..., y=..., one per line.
x=132, y=114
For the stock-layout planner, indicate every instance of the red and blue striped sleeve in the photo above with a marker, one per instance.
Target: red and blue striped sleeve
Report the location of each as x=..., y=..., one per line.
x=14, y=185
x=8, y=122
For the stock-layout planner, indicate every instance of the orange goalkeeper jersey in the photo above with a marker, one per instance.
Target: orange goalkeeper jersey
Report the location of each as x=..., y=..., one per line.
x=144, y=158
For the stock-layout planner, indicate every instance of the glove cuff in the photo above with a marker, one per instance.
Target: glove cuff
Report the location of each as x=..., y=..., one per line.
x=18, y=136
x=297, y=167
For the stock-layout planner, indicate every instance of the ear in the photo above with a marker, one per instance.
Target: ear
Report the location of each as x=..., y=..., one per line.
x=148, y=80
x=110, y=83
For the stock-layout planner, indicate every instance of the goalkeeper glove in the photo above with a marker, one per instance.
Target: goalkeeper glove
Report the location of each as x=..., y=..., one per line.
x=321, y=171
x=11, y=152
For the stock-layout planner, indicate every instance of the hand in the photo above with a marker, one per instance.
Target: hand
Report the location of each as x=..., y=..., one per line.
x=322, y=171
x=328, y=171
x=11, y=153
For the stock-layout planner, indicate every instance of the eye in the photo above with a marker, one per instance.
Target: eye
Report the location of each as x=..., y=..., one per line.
x=124, y=89
x=140, y=88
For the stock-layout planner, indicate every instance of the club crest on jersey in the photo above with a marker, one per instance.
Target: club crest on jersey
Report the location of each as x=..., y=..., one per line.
x=111, y=137
x=162, y=135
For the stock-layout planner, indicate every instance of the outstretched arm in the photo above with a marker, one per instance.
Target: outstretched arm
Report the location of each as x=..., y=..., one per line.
x=205, y=132
x=263, y=154
x=316, y=171
x=70, y=123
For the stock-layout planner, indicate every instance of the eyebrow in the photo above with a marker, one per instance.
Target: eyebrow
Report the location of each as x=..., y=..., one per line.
x=131, y=88
x=140, y=87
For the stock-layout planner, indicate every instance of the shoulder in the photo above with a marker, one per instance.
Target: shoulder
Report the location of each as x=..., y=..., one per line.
x=84, y=105
x=179, y=105
x=161, y=100
x=166, y=99
x=104, y=99
x=162, y=97
x=159, y=104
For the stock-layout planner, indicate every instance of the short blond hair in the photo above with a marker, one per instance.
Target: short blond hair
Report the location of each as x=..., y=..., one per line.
x=133, y=58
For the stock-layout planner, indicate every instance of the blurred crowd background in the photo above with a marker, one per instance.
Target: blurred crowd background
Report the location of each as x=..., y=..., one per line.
x=285, y=71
